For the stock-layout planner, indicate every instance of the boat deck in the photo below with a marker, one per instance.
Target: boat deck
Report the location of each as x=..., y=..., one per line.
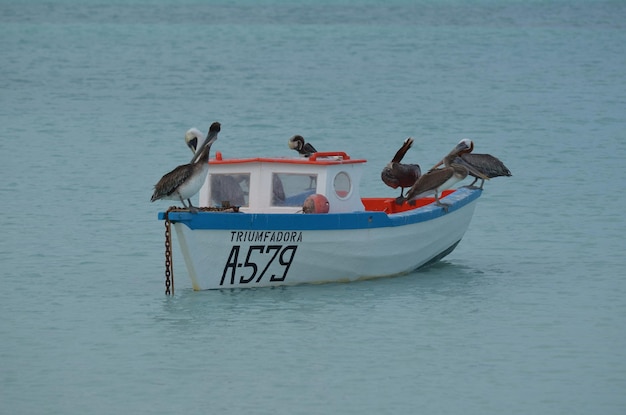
x=388, y=205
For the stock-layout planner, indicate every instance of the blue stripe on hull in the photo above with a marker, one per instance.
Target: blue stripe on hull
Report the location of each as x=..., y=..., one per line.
x=326, y=221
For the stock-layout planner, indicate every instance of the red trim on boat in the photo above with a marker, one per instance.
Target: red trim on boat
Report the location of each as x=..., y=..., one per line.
x=389, y=205
x=321, y=158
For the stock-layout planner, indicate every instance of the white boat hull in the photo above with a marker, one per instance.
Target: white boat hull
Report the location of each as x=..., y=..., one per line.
x=339, y=248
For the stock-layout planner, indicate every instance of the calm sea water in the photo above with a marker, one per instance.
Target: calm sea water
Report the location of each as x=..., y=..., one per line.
x=526, y=316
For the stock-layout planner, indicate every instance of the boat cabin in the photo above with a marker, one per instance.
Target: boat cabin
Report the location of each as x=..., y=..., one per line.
x=281, y=185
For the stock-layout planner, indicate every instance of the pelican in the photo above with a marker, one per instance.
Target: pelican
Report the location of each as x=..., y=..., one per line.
x=297, y=143
x=486, y=164
x=437, y=180
x=186, y=180
x=396, y=174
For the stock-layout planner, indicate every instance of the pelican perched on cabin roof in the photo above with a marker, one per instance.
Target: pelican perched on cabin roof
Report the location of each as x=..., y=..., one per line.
x=437, y=180
x=486, y=164
x=297, y=143
x=396, y=174
x=186, y=180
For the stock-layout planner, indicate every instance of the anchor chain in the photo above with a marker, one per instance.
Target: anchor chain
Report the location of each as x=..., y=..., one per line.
x=169, y=267
x=169, y=271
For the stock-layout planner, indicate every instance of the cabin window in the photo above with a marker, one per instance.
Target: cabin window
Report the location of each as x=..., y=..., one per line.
x=289, y=189
x=230, y=188
x=342, y=185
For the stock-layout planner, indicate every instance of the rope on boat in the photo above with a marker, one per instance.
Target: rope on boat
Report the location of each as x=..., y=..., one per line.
x=169, y=265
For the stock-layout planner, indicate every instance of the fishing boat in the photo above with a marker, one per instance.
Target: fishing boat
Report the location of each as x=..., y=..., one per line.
x=272, y=221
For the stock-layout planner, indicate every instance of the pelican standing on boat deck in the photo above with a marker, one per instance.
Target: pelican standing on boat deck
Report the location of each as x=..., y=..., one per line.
x=486, y=164
x=186, y=180
x=396, y=174
x=297, y=143
x=437, y=180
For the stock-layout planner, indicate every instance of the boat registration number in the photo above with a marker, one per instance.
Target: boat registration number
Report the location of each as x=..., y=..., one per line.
x=259, y=262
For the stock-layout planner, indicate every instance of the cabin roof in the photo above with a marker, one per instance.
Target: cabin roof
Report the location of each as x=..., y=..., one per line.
x=320, y=158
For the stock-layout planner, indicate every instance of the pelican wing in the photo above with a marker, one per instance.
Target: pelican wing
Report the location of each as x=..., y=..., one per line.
x=170, y=182
x=407, y=173
x=487, y=164
x=309, y=149
x=389, y=178
x=430, y=181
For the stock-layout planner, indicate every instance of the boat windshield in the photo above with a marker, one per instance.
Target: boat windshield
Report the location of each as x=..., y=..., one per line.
x=230, y=189
x=291, y=189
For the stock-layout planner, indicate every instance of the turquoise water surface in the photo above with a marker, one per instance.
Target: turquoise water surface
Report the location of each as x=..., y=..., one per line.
x=526, y=316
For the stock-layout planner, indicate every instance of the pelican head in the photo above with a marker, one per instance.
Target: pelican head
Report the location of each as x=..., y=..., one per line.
x=296, y=142
x=194, y=139
x=464, y=146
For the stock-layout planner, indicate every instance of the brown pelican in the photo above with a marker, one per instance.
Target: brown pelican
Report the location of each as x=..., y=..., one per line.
x=297, y=143
x=437, y=180
x=486, y=164
x=396, y=174
x=186, y=180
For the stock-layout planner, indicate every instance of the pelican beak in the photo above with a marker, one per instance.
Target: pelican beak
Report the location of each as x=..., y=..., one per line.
x=436, y=165
x=211, y=138
x=211, y=135
x=477, y=173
